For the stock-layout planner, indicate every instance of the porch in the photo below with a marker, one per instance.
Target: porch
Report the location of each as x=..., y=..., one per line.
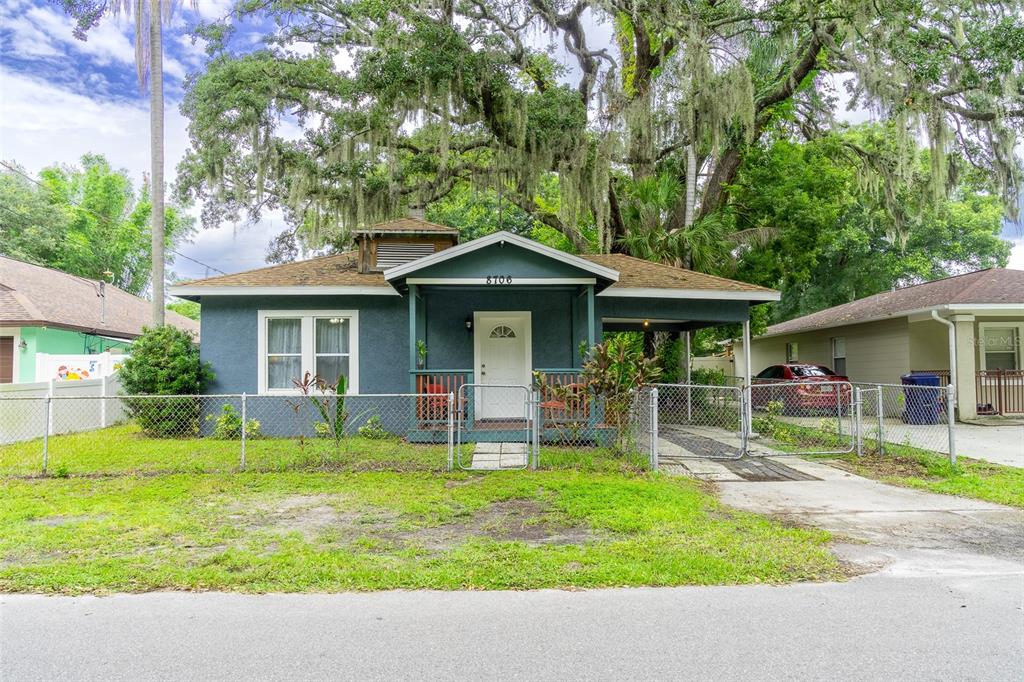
x=997, y=391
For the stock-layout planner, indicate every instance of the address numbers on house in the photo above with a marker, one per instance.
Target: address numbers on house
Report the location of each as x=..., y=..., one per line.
x=499, y=279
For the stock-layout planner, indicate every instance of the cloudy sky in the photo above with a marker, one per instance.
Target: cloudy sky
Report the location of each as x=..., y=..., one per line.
x=61, y=98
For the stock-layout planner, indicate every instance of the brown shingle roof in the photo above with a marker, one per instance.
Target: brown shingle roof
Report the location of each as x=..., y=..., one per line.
x=340, y=269
x=997, y=285
x=31, y=295
x=636, y=273
x=408, y=226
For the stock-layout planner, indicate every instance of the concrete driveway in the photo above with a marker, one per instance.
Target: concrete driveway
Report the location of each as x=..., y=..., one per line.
x=998, y=444
x=892, y=525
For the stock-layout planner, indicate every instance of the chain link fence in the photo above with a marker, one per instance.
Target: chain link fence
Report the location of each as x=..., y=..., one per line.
x=796, y=418
x=807, y=417
x=697, y=421
x=476, y=428
x=893, y=415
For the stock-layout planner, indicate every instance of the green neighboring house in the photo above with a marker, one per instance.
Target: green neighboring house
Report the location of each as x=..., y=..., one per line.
x=45, y=311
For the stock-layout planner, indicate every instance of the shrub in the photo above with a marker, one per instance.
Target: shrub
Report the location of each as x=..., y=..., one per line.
x=164, y=361
x=373, y=429
x=768, y=424
x=228, y=425
x=707, y=376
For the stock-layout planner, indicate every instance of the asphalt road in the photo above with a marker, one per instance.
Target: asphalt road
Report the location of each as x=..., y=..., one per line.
x=937, y=621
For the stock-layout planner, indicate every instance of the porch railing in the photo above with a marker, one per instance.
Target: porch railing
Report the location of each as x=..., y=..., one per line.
x=564, y=397
x=999, y=391
x=1002, y=389
x=433, y=386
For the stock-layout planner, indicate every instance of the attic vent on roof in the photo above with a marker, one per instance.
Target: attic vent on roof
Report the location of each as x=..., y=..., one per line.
x=398, y=253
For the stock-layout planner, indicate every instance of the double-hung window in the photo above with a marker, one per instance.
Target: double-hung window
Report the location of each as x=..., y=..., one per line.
x=294, y=342
x=839, y=355
x=1000, y=345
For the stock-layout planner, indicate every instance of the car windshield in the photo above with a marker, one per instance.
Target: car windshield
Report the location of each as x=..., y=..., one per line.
x=812, y=371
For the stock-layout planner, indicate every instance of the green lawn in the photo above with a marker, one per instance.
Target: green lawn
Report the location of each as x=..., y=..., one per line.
x=340, y=521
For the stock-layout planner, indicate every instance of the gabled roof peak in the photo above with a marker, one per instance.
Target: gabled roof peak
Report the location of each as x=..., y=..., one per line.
x=501, y=237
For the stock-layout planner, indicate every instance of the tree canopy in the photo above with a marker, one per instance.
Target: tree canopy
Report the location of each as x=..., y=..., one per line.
x=86, y=220
x=351, y=110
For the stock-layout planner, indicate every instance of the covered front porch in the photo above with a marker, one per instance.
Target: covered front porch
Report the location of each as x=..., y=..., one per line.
x=499, y=359
x=505, y=325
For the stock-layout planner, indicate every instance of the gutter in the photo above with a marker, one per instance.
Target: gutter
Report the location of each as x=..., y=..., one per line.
x=952, y=344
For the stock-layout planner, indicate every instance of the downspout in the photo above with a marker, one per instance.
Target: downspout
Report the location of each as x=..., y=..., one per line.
x=952, y=344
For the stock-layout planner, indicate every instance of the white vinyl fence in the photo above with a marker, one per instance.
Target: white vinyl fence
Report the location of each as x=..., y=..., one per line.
x=25, y=413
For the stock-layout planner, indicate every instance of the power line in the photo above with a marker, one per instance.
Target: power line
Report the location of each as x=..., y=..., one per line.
x=104, y=218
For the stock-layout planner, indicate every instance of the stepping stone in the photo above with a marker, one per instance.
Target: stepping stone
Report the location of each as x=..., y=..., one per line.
x=495, y=456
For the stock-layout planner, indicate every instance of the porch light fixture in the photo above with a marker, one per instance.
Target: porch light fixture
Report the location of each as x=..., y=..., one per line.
x=647, y=323
x=469, y=323
x=23, y=345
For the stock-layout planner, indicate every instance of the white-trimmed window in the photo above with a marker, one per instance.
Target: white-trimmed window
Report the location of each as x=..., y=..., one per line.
x=1000, y=345
x=839, y=355
x=321, y=342
x=792, y=352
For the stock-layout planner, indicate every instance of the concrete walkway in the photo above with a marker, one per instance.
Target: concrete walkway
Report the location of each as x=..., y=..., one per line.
x=495, y=456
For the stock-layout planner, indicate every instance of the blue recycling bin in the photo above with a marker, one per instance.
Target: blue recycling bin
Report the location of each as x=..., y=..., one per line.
x=924, y=404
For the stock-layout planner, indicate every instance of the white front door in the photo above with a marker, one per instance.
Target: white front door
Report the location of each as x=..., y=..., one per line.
x=502, y=352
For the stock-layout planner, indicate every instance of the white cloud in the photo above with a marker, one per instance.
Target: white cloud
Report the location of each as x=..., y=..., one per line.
x=42, y=124
x=44, y=32
x=1017, y=254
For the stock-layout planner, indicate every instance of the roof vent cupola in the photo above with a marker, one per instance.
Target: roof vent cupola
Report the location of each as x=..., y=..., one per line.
x=401, y=241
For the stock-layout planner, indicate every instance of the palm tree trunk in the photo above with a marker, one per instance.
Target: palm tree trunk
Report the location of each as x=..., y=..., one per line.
x=691, y=199
x=156, y=142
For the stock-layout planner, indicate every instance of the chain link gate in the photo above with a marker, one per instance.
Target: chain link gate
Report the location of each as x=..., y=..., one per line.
x=802, y=418
x=697, y=421
x=495, y=427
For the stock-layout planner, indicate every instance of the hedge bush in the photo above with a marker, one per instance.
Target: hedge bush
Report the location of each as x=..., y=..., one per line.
x=165, y=361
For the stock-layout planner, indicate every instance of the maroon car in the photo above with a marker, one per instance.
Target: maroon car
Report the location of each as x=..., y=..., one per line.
x=801, y=388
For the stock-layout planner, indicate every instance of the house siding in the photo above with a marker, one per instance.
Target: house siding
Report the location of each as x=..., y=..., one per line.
x=875, y=351
x=229, y=328
x=228, y=338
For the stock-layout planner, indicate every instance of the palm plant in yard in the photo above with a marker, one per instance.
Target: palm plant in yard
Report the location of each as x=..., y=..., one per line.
x=149, y=17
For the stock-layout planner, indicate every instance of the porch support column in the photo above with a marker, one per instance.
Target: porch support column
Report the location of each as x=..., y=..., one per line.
x=966, y=369
x=413, y=291
x=591, y=330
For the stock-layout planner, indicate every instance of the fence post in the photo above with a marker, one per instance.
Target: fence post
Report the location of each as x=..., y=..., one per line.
x=951, y=420
x=538, y=423
x=46, y=431
x=244, y=425
x=103, y=401
x=858, y=431
x=451, y=430
x=881, y=423
x=654, y=429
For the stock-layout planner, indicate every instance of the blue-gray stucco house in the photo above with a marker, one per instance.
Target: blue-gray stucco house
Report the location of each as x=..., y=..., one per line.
x=413, y=311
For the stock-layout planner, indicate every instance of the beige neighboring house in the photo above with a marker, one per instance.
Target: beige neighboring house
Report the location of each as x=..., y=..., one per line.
x=968, y=329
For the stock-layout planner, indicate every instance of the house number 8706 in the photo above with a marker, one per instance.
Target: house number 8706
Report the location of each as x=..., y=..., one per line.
x=499, y=279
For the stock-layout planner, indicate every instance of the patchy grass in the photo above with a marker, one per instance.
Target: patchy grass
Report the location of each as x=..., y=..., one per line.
x=915, y=468
x=328, y=531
